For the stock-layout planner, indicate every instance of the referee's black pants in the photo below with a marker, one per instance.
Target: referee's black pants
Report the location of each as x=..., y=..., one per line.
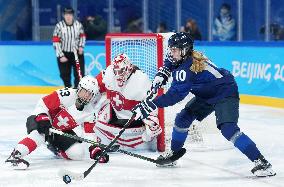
x=65, y=69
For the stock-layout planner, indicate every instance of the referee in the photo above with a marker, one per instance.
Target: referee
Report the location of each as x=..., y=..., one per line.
x=68, y=38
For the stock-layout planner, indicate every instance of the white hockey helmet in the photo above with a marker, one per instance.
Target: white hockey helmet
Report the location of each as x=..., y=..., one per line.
x=88, y=90
x=122, y=68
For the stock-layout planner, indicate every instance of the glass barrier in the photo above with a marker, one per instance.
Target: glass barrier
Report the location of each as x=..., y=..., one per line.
x=16, y=20
x=162, y=15
x=195, y=18
x=211, y=20
x=94, y=17
x=127, y=16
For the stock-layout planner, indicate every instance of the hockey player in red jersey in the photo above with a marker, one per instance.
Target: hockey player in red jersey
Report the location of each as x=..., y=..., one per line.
x=125, y=85
x=63, y=109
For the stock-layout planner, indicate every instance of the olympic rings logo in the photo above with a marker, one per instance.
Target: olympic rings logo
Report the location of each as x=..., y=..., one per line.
x=95, y=63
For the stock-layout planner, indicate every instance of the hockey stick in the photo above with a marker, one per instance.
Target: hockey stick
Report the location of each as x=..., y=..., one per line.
x=68, y=176
x=55, y=131
x=114, y=148
x=77, y=63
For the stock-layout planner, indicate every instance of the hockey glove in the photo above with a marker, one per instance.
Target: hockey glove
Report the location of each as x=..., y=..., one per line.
x=95, y=152
x=160, y=79
x=43, y=124
x=143, y=109
x=152, y=128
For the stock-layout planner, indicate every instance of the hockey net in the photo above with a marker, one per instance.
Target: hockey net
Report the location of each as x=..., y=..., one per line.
x=148, y=52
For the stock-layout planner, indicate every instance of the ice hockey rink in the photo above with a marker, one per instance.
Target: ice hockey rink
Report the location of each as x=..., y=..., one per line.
x=212, y=168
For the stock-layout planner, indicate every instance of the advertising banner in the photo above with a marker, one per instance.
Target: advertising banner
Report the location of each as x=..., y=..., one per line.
x=259, y=70
x=36, y=65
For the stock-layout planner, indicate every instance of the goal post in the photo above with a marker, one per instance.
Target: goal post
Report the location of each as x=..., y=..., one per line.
x=146, y=51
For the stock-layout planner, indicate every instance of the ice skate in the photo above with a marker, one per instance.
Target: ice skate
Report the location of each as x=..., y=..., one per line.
x=16, y=161
x=169, y=158
x=262, y=168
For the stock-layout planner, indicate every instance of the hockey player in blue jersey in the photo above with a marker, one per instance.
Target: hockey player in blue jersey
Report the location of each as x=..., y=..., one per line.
x=214, y=88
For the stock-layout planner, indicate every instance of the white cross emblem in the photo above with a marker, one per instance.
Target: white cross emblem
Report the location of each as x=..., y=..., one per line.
x=62, y=121
x=117, y=100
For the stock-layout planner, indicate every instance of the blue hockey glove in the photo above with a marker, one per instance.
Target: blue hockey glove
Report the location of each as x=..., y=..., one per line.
x=143, y=109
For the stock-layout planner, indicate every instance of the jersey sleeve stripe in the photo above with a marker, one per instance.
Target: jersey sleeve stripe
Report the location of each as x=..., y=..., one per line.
x=29, y=143
x=52, y=101
x=82, y=35
x=55, y=39
x=213, y=71
x=102, y=86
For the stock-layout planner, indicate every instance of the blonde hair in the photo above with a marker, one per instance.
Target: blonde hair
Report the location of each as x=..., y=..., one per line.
x=198, y=62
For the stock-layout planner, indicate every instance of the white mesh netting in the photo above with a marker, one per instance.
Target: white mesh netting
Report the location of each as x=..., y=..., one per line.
x=143, y=52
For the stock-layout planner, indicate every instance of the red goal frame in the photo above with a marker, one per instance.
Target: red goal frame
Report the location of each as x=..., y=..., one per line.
x=159, y=38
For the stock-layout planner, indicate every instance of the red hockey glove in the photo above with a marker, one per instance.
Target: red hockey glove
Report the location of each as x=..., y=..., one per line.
x=95, y=152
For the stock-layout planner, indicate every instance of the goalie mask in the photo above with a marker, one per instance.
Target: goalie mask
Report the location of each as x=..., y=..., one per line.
x=122, y=68
x=88, y=90
x=180, y=46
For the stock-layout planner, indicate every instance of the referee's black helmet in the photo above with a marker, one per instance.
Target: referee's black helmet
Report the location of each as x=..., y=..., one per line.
x=68, y=10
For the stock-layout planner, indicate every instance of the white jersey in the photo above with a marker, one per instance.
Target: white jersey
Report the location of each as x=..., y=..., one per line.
x=62, y=112
x=124, y=98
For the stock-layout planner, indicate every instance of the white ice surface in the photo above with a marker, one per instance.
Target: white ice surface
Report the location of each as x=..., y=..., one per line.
x=230, y=168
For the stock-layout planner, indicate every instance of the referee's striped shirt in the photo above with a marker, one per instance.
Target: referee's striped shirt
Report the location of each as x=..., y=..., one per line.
x=67, y=37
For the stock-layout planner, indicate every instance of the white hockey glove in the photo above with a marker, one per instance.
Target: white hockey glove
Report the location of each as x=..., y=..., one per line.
x=143, y=109
x=160, y=79
x=153, y=129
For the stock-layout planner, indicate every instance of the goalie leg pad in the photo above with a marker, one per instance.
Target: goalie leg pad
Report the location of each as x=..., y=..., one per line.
x=130, y=140
x=241, y=141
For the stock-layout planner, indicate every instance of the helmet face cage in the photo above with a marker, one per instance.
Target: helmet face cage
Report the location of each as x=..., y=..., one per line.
x=122, y=68
x=183, y=42
x=87, y=90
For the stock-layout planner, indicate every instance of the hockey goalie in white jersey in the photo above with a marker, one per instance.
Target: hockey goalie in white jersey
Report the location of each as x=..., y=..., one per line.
x=125, y=85
x=63, y=109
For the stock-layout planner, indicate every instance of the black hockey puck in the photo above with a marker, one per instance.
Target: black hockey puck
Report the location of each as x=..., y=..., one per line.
x=66, y=179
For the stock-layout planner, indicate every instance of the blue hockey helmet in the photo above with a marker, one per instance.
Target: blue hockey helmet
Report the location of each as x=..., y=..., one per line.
x=184, y=42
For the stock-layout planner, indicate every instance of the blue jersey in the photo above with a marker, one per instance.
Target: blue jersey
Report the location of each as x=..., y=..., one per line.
x=212, y=84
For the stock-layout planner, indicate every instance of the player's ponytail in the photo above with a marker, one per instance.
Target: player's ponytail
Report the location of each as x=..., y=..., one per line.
x=198, y=62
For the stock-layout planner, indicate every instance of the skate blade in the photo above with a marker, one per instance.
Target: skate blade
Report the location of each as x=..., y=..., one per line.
x=173, y=164
x=19, y=166
x=265, y=173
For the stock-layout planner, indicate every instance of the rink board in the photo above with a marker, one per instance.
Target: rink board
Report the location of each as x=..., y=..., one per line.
x=257, y=66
